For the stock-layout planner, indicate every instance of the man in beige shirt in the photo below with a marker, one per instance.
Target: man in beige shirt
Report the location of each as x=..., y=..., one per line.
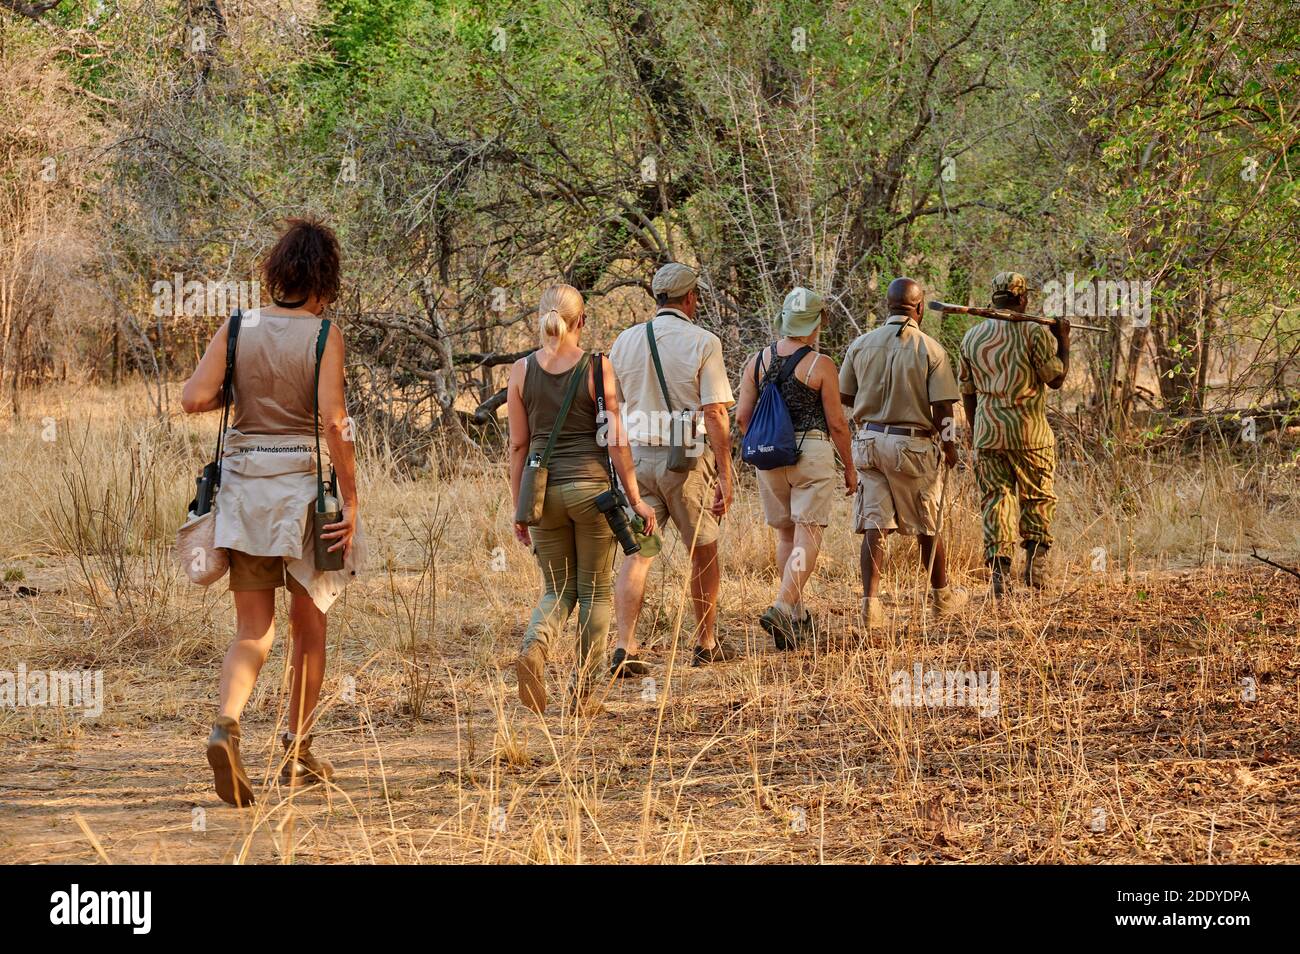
x=900, y=386
x=697, y=492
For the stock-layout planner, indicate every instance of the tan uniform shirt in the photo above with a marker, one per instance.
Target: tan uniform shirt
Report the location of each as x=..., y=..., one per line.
x=894, y=373
x=693, y=370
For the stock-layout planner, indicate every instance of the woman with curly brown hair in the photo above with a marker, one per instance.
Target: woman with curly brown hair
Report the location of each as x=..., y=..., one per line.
x=287, y=392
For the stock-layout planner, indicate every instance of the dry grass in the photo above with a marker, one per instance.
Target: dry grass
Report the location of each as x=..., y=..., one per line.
x=1121, y=695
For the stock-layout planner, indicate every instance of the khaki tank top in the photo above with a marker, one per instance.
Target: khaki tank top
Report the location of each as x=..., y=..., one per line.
x=577, y=456
x=275, y=372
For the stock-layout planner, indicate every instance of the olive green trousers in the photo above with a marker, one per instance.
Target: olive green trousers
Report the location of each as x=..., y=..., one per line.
x=575, y=551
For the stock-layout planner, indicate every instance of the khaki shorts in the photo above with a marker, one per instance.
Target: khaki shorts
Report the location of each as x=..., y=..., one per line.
x=248, y=573
x=804, y=492
x=685, y=498
x=898, y=483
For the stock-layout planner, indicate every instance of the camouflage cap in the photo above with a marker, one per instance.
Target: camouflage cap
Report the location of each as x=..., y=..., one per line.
x=1009, y=283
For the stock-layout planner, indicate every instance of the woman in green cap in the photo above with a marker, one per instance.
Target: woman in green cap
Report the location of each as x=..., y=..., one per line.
x=797, y=499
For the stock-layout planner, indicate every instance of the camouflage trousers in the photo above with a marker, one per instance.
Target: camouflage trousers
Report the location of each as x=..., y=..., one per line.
x=1009, y=479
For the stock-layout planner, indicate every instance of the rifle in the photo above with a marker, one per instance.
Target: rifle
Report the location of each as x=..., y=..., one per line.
x=1003, y=314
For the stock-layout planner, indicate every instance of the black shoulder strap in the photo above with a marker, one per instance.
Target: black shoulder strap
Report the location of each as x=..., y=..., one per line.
x=598, y=385
x=228, y=381
x=791, y=363
x=322, y=338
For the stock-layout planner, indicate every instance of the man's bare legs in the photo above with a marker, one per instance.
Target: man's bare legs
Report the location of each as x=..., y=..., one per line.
x=871, y=559
x=706, y=581
x=939, y=570
x=629, y=595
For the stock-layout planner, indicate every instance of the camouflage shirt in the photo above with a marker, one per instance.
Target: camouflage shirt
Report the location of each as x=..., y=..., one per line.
x=1007, y=363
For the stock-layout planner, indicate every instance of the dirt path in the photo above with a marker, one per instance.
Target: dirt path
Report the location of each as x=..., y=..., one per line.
x=1137, y=721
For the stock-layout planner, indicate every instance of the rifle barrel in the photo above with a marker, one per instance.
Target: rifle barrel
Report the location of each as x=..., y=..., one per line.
x=1002, y=314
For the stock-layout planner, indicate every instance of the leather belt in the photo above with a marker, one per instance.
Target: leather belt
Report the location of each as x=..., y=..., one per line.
x=900, y=431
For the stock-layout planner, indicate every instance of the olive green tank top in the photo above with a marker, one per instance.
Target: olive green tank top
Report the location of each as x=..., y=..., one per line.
x=577, y=456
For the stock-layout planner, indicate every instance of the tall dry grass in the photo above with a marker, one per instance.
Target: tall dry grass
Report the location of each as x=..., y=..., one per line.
x=722, y=764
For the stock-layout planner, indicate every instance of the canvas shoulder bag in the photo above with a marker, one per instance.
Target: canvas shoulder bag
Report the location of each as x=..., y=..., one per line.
x=328, y=508
x=196, y=552
x=532, y=483
x=679, y=462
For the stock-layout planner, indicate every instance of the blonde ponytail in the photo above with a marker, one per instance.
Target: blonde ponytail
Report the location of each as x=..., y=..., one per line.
x=559, y=312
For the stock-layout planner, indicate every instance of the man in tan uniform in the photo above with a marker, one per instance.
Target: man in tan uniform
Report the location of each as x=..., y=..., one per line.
x=698, y=394
x=901, y=389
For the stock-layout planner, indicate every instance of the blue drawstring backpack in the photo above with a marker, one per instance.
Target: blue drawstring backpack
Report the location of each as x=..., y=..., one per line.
x=769, y=443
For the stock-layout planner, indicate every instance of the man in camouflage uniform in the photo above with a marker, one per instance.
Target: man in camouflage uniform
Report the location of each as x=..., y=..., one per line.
x=1003, y=373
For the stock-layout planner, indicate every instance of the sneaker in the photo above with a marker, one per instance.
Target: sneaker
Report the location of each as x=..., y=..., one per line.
x=1001, y=567
x=949, y=600
x=530, y=670
x=873, y=613
x=720, y=653
x=783, y=627
x=627, y=665
x=228, y=775
x=807, y=628
x=1038, y=565
x=300, y=766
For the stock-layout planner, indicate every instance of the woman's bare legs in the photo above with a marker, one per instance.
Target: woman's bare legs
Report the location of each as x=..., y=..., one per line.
x=805, y=541
x=307, y=627
x=254, y=634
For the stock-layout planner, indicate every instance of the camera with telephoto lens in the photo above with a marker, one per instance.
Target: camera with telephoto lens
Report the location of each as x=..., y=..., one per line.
x=611, y=504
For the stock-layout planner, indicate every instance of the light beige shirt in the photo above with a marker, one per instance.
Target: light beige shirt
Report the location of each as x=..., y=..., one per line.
x=894, y=373
x=693, y=370
x=268, y=489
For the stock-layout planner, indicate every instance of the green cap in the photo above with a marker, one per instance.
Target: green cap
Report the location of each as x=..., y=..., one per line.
x=801, y=313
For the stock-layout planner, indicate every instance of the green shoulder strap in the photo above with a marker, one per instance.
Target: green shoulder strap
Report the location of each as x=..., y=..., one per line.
x=321, y=339
x=579, y=378
x=659, y=368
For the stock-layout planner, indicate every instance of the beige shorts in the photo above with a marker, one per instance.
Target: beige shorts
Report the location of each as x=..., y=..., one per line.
x=804, y=492
x=685, y=498
x=898, y=483
x=248, y=572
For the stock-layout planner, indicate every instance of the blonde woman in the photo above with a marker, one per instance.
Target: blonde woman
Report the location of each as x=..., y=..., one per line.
x=573, y=542
x=797, y=499
x=268, y=489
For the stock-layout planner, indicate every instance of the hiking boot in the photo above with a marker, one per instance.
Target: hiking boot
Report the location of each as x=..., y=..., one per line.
x=1038, y=565
x=784, y=628
x=228, y=775
x=530, y=670
x=949, y=600
x=1001, y=567
x=720, y=653
x=807, y=631
x=627, y=665
x=872, y=612
x=584, y=705
x=301, y=767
